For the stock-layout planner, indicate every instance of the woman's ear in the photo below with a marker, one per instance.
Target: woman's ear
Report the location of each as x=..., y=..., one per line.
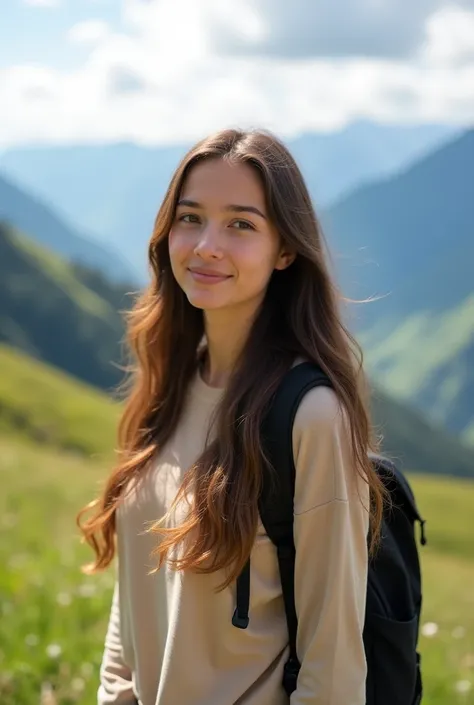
x=285, y=258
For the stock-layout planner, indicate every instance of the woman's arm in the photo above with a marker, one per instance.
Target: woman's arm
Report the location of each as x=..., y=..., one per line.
x=331, y=525
x=116, y=687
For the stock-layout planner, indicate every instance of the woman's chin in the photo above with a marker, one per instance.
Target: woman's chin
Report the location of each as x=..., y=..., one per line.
x=205, y=302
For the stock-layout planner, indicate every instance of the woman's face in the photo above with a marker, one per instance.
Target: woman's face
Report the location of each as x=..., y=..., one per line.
x=223, y=247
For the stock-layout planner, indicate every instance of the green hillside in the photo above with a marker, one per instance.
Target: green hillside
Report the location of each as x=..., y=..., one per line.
x=415, y=442
x=42, y=404
x=49, y=310
x=427, y=360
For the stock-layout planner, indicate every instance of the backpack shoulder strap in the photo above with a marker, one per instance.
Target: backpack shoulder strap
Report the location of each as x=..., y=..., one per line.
x=276, y=498
x=276, y=501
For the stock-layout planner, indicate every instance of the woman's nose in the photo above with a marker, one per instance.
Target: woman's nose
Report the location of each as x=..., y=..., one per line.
x=208, y=244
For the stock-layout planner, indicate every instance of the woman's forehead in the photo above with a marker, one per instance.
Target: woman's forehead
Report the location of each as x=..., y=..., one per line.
x=225, y=182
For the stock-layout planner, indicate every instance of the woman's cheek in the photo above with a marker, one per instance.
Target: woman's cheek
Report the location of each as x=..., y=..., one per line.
x=176, y=246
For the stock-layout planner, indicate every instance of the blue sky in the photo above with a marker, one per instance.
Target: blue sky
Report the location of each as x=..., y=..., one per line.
x=158, y=71
x=38, y=32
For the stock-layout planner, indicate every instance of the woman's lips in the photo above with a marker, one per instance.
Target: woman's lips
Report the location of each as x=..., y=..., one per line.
x=200, y=275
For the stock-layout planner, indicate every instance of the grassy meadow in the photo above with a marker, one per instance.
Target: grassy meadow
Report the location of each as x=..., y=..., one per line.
x=53, y=618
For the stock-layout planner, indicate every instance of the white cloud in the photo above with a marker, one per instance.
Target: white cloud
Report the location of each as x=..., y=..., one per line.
x=175, y=30
x=297, y=29
x=314, y=29
x=163, y=81
x=88, y=32
x=450, y=37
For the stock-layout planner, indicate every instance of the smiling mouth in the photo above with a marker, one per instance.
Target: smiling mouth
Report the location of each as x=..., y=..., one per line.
x=208, y=277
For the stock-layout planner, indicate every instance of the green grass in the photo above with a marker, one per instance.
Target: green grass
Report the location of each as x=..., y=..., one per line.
x=46, y=604
x=449, y=506
x=53, y=619
x=448, y=577
x=41, y=403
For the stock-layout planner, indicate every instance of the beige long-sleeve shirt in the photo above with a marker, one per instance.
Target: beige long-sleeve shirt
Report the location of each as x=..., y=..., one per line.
x=170, y=639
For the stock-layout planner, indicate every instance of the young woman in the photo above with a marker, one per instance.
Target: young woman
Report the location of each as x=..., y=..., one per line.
x=240, y=293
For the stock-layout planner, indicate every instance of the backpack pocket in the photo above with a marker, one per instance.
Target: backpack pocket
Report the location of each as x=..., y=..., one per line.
x=393, y=676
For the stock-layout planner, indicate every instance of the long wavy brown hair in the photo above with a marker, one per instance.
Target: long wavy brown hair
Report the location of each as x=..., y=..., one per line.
x=299, y=317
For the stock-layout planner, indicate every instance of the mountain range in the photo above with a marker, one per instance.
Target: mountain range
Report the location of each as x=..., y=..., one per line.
x=114, y=190
x=391, y=234
x=405, y=239
x=410, y=241
x=32, y=215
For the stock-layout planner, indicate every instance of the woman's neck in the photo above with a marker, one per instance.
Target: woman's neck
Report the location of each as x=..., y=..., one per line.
x=226, y=336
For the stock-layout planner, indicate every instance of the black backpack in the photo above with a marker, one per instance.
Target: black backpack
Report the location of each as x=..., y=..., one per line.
x=394, y=580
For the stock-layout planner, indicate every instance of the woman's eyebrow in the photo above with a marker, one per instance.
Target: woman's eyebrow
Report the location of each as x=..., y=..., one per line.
x=188, y=203
x=246, y=209
x=234, y=208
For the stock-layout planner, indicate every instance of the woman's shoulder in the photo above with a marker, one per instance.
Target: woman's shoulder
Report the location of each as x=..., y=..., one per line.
x=322, y=451
x=320, y=407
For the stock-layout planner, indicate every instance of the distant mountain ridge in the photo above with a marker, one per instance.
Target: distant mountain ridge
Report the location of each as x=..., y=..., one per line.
x=391, y=231
x=48, y=310
x=28, y=213
x=410, y=241
x=115, y=190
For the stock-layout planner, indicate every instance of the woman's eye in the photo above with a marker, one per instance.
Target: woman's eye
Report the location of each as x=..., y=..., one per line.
x=242, y=225
x=189, y=218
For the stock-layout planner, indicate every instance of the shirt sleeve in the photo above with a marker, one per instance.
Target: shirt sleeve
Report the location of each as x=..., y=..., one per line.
x=116, y=685
x=331, y=527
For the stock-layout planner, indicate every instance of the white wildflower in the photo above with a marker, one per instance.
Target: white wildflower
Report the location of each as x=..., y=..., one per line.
x=54, y=650
x=429, y=629
x=463, y=687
